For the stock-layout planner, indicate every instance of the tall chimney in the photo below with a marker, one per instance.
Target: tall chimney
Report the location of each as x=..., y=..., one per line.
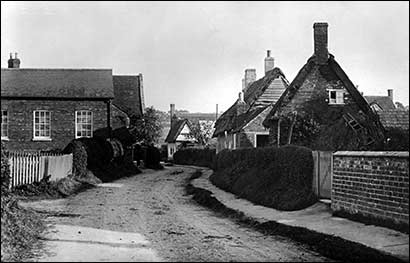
x=269, y=62
x=320, y=42
x=390, y=94
x=250, y=76
x=241, y=105
x=13, y=62
x=216, y=112
x=172, y=112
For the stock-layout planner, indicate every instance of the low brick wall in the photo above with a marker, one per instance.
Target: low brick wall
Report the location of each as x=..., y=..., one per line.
x=372, y=185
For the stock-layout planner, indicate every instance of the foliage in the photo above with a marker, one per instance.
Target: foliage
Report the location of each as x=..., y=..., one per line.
x=147, y=129
x=195, y=156
x=77, y=148
x=397, y=140
x=275, y=177
x=152, y=158
x=5, y=172
x=202, y=131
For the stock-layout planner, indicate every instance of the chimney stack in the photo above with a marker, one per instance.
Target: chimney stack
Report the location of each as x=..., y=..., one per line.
x=172, y=112
x=13, y=62
x=320, y=42
x=250, y=76
x=269, y=62
x=241, y=105
x=390, y=94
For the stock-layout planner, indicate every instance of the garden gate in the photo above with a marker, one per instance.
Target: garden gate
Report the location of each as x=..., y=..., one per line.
x=322, y=173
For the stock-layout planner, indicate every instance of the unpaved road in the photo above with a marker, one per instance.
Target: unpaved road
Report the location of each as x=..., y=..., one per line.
x=148, y=217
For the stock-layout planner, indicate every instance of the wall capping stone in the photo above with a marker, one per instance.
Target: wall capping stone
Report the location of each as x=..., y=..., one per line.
x=370, y=153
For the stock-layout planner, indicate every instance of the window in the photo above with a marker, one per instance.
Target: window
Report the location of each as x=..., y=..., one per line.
x=42, y=125
x=83, y=124
x=4, y=125
x=336, y=97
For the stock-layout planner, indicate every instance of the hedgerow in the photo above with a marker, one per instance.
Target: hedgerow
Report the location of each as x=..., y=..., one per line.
x=280, y=178
x=195, y=156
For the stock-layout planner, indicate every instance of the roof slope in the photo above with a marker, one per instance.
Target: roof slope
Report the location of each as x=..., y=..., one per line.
x=385, y=102
x=394, y=118
x=128, y=94
x=176, y=128
x=57, y=83
x=229, y=121
x=330, y=71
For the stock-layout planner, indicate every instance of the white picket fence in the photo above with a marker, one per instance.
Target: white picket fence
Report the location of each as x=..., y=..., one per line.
x=30, y=167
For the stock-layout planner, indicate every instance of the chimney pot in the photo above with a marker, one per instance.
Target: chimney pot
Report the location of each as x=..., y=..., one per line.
x=15, y=55
x=250, y=76
x=11, y=55
x=320, y=42
x=13, y=62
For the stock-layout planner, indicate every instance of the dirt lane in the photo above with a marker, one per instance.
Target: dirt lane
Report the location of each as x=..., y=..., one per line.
x=154, y=204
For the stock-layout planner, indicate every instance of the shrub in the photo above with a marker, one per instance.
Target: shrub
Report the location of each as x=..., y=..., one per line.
x=194, y=156
x=152, y=158
x=280, y=178
x=5, y=172
x=79, y=158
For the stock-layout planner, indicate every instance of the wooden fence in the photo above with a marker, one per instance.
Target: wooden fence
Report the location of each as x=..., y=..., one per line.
x=30, y=167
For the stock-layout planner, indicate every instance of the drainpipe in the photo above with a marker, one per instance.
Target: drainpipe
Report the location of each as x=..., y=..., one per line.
x=109, y=118
x=278, y=139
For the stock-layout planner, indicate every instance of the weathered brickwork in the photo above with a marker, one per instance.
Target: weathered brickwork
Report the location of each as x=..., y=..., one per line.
x=374, y=186
x=20, y=127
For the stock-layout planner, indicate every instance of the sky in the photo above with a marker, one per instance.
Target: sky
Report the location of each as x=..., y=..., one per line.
x=194, y=54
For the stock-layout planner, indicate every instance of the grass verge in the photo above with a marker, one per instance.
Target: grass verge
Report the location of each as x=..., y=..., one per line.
x=327, y=245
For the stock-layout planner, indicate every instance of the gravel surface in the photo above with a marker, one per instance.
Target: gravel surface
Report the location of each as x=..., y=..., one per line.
x=155, y=205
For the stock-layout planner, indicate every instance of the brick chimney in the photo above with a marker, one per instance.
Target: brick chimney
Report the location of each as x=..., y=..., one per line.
x=14, y=62
x=269, y=62
x=390, y=94
x=250, y=76
x=172, y=113
x=241, y=106
x=320, y=42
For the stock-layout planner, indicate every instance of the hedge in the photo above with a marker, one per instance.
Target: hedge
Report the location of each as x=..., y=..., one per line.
x=195, y=156
x=280, y=178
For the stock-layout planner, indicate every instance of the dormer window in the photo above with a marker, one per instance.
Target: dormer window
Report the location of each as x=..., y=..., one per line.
x=336, y=96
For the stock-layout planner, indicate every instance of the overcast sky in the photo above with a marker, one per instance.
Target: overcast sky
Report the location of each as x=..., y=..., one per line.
x=194, y=54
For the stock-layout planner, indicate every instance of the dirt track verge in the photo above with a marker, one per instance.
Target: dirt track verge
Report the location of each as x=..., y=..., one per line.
x=327, y=245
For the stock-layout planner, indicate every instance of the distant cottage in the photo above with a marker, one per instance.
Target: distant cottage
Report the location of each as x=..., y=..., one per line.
x=322, y=109
x=380, y=103
x=241, y=125
x=44, y=109
x=179, y=134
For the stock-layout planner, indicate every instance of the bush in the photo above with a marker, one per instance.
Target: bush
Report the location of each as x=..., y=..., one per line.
x=194, y=156
x=280, y=178
x=79, y=158
x=152, y=158
x=5, y=172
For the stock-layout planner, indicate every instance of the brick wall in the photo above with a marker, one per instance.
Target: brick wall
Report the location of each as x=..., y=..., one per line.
x=20, y=112
x=372, y=184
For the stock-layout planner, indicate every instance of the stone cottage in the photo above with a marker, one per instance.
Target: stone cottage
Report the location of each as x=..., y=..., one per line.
x=44, y=109
x=322, y=109
x=241, y=125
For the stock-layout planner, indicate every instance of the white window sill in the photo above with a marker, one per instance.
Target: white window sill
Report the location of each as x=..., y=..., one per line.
x=42, y=139
x=5, y=139
x=334, y=103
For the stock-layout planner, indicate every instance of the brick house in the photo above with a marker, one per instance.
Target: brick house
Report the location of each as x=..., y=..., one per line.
x=322, y=109
x=44, y=109
x=179, y=134
x=241, y=125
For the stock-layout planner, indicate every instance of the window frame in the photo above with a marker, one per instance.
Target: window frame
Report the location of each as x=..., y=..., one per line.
x=339, y=97
x=82, y=129
x=6, y=137
x=41, y=138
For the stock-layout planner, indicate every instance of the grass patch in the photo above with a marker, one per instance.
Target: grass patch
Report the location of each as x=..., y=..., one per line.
x=327, y=245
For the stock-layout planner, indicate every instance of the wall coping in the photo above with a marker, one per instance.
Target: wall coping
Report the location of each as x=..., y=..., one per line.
x=372, y=154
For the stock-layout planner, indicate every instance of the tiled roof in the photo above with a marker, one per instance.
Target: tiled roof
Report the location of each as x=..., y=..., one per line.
x=394, y=118
x=384, y=102
x=229, y=121
x=176, y=128
x=57, y=83
x=128, y=94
